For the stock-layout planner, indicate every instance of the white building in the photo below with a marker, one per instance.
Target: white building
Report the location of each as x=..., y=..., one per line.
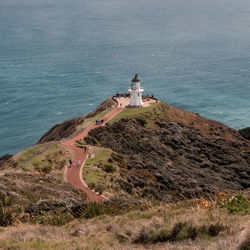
x=136, y=92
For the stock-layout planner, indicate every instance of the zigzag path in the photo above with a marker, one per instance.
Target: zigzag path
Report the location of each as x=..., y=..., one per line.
x=73, y=173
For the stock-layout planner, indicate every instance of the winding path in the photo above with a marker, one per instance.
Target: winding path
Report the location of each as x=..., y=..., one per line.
x=73, y=174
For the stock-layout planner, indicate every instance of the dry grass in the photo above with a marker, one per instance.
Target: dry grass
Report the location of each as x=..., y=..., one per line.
x=42, y=157
x=119, y=232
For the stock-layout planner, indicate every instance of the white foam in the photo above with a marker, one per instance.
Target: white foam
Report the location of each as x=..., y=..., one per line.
x=59, y=113
x=218, y=112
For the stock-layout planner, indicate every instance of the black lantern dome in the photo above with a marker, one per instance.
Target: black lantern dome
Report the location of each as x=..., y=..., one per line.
x=136, y=79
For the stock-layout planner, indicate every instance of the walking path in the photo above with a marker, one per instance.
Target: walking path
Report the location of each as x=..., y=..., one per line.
x=73, y=174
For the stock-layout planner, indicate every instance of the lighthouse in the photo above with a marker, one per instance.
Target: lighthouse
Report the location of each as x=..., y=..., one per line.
x=135, y=92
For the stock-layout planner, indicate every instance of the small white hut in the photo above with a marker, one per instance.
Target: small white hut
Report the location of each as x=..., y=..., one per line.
x=135, y=92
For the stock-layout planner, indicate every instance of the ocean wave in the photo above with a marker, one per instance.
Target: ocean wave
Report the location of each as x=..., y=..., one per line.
x=218, y=112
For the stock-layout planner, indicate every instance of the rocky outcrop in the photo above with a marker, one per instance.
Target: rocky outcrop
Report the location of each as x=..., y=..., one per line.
x=69, y=127
x=170, y=160
x=245, y=132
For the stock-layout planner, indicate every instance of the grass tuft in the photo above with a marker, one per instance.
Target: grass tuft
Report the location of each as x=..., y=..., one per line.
x=57, y=218
x=7, y=217
x=95, y=209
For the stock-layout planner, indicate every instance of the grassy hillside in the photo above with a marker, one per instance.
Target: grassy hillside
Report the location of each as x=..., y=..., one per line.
x=175, y=180
x=101, y=173
x=42, y=157
x=196, y=224
x=75, y=125
x=149, y=113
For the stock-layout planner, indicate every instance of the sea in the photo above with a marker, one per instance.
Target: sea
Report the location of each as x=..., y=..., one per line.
x=61, y=59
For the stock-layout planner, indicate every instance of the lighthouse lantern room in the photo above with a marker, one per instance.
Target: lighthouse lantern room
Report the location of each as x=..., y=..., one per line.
x=135, y=92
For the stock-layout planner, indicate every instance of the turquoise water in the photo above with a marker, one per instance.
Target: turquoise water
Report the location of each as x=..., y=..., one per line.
x=60, y=59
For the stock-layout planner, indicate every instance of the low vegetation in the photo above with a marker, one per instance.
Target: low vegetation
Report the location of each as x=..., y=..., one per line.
x=89, y=121
x=169, y=161
x=148, y=113
x=75, y=125
x=94, y=209
x=53, y=218
x=8, y=210
x=42, y=158
x=237, y=204
x=179, y=232
x=7, y=216
x=142, y=154
x=159, y=226
x=101, y=172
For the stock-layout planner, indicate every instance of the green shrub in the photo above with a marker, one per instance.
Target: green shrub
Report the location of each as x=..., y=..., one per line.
x=109, y=168
x=127, y=136
x=99, y=188
x=36, y=165
x=238, y=204
x=92, y=185
x=121, y=238
x=117, y=158
x=90, y=140
x=46, y=169
x=42, y=167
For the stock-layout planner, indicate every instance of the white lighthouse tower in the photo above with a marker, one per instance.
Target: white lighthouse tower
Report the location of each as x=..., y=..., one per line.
x=135, y=92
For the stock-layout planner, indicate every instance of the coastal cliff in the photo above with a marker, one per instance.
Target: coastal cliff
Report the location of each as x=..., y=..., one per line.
x=160, y=165
x=72, y=126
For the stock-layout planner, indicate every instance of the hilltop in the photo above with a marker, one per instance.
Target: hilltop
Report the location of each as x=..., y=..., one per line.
x=150, y=163
x=171, y=154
